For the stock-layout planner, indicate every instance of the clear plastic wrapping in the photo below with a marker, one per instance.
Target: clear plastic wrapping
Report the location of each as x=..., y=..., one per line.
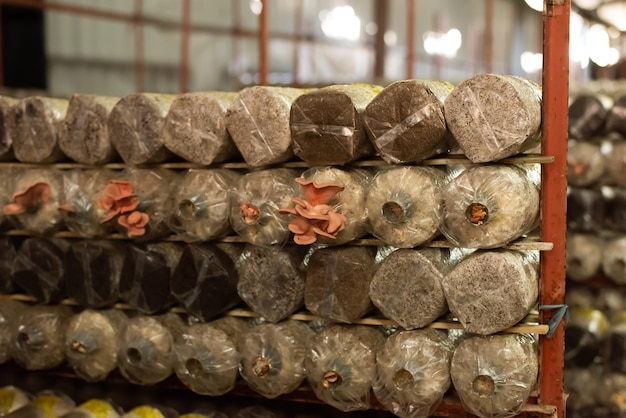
x=413, y=372
x=84, y=134
x=10, y=311
x=616, y=118
x=614, y=259
x=272, y=356
x=615, y=205
x=145, y=355
x=584, y=336
x=332, y=210
x=258, y=122
x=494, y=116
x=6, y=140
x=327, y=124
x=586, y=210
x=195, y=127
x=35, y=198
x=38, y=337
x=338, y=282
x=491, y=205
x=46, y=404
x=11, y=399
x=587, y=115
x=494, y=375
x=146, y=275
x=405, y=121
x=93, y=408
x=205, y=280
x=585, y=164
x=584, y=256
x=7, y=187
x=404, y=205
x=206, y=359
x=7, y=255
x=80, y=208
x=149, y=411
x=490, y=291
x=616, y=163
x=91, y=342
x=92, y=272
x=39, y=269
x=341, y=365
x=256, y=202
x=272, y=281
x=34, y=123
x=135, y=124
x=202, y=204
x=138, y=202
x=407, y=286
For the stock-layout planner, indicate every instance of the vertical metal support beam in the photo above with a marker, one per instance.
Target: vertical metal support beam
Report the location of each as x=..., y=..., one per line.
x=183, y=86
x=263, y=44
x=489, y=6
x=553, y=194
x=380, y=16
x=139, y=47
x=410, y=38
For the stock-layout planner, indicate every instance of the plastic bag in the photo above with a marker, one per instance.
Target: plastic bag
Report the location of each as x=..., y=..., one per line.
x=494, y=375
x=205, y=280
x=92, y=272
x=7, y=256
x=404, y=205
x=6, y=140
x=338, y=282
x=258, y=122
x=615, y=203
x=39, y=269
x=35, y=199
x=327, y=124
x=11, y=399
x=46, y=404
x=584, y=336
x=494, y=116
x=582, y=386
x=84, y=134
x=195, y=127
x=419, y=274
x=145, y=355
x=138, y=202
x=584, y=256
x=34, y=123
x=585, y=164
x=341, y=365
x=272, y=356
x=586, y=210
x=255, y=205
x=272, y=281
x=614, y=354
x=7, y=187
x=135, y=125
x=405, y=122
x=149, y=411
x=614, y=259
x=38, y=337
x=491, y=205
x=616, y=118
x=146, y=275
x=206, y=358
x=490, y=291
x=413, y=372
x=10, y=311
x=202, y=204
x=92, y=341
x=587, y=115
x=616, y=162
x=93, y=408
x=81, y=210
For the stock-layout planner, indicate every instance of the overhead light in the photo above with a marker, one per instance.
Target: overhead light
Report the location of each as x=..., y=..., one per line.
x=256, y=7
x=443, y=43
x=535, y=4
x=614, y=13
x=531, y=62
x=600, y=50
x=341, y=23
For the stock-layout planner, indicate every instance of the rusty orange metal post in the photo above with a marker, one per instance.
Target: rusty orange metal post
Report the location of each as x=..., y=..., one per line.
x=183, y=86
x=410, y=38
x=553, y=193
x=263, y=44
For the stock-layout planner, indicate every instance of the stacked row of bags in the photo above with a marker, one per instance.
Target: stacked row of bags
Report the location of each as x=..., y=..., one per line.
x=595, y=351
x=17, y=403
x=487, y=291
x=484, y=206
x=404, y=122
x=596, y=201
x=408, y=372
